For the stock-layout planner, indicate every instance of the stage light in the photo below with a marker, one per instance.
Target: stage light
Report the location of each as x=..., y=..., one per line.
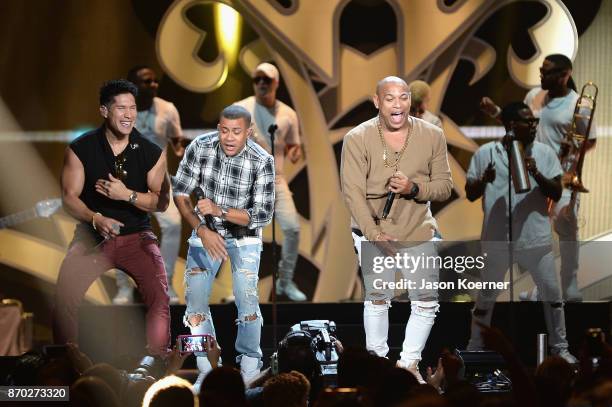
x=228, y=26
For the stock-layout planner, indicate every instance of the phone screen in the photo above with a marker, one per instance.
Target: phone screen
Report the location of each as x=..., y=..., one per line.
x=192, y=343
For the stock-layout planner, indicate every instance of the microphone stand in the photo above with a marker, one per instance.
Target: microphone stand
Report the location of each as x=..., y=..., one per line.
x=272, y=131
x=511, y=313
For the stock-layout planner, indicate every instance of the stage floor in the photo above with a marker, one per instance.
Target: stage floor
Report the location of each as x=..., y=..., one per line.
x=115, y=334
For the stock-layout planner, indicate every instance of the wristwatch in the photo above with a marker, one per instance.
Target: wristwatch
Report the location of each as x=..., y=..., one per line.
x=224, y=213
x=414, y=191
x=133, y=197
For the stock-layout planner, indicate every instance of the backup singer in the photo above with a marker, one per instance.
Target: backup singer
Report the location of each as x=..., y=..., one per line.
x=266, y=110
x=396, y=152
x=554, y=102
x=159, y=122
x=531, y=237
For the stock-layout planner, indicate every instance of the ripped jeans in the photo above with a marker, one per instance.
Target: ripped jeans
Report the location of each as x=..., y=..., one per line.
x=423, y=304
x=200, y=274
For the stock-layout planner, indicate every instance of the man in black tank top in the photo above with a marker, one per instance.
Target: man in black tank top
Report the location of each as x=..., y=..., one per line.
x=112, y=178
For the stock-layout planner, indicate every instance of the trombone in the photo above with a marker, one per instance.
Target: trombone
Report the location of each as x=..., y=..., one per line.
x=574, y=146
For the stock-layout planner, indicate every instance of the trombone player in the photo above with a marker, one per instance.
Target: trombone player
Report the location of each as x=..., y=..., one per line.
x=554, y=103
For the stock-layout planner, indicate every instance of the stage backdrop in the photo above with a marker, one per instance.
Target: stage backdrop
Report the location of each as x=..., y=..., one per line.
x=55, y=54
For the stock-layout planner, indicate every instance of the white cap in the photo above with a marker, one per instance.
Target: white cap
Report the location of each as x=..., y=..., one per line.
x=268, y=69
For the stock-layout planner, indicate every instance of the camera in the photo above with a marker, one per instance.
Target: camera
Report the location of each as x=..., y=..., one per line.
x=323, y=345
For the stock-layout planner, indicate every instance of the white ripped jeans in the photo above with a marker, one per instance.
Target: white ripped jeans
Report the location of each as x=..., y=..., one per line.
x=424, y=306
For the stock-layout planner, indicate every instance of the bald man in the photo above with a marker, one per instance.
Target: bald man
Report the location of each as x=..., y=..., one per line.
x=395, y=152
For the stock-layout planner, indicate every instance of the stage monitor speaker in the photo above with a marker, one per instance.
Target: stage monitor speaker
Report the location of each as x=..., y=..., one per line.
x=485, y=370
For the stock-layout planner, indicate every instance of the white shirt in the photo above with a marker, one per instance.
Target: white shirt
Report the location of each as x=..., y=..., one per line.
x=556, y=116
x=160, y=123
x=530, y=222
x=288, y=132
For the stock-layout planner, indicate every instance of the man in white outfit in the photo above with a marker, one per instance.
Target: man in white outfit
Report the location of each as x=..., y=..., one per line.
x=267, y=110
x=158, y=121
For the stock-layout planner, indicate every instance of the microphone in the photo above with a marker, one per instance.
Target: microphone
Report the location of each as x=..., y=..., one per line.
x=272, y=129
x=387, y=208
x=208, y=219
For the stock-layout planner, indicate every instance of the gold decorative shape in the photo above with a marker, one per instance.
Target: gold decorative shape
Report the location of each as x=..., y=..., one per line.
x=555, y=34
x=177, y=34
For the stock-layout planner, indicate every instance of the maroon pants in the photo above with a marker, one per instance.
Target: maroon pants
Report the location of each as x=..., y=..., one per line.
x=138, y=255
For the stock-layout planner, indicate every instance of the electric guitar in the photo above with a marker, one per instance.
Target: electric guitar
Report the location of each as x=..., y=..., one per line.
x=42, y=209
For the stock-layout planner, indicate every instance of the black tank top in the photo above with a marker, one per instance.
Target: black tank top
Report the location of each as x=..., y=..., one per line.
x=97, y=157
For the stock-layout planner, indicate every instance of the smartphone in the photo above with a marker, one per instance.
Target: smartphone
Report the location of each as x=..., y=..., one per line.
x=192, y=343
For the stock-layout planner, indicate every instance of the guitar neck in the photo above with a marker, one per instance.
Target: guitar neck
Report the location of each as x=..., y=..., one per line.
x=17, y=218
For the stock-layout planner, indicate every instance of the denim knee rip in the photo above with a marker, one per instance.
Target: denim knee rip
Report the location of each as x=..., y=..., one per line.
x=425, y=308
x=203, y=316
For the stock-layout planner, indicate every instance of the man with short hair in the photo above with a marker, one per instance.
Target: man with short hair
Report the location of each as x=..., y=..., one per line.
x=267, y=110
x=236, y=178
x=159, y=122
x=112, y=179
x=396, y=153
x=419, y=102
x=553, y=103
x=286, y=389
x=488, y=176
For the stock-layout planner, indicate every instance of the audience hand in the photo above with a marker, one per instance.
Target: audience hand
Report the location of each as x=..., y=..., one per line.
x=213, y=351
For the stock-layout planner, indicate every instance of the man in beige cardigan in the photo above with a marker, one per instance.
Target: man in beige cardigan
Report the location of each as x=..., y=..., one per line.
x=408, y=156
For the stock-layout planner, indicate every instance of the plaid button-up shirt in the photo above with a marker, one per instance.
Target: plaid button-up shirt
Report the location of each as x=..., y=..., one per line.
x=244, y=181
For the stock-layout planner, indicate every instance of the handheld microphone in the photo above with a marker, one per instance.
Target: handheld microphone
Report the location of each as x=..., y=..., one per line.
x=208, y=219
x=387, y=208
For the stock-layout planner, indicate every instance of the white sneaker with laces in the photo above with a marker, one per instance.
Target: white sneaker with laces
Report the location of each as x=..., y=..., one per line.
x=288, y=288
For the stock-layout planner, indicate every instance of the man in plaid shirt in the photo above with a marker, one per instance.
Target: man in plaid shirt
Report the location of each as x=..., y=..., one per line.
x=236, y=177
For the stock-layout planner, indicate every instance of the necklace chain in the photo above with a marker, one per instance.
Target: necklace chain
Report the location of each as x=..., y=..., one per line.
x=385, y=151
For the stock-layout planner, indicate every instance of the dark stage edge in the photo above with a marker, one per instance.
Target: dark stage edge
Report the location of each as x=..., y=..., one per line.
x=116, y=333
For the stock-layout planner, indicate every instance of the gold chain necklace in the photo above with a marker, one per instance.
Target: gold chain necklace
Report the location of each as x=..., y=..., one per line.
x=385, y=152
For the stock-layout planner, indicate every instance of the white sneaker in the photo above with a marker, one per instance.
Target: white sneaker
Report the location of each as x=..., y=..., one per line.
x=413, y=367
x=228, y=300
x=174, y=299
x=529, y=295
x=564, y=353
x=249, y=368
x=124, y=296
x=288, y=288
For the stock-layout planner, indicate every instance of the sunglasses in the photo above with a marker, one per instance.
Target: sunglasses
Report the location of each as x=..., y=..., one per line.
x=263, y=79
x=120, y=164
x=550, y=72
x=531, y=123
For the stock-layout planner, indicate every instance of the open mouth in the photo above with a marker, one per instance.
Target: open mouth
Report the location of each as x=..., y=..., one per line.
x=125, y=124
x=397, y=117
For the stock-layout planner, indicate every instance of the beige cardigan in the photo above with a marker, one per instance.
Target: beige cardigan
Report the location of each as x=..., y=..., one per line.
x=365, y=181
